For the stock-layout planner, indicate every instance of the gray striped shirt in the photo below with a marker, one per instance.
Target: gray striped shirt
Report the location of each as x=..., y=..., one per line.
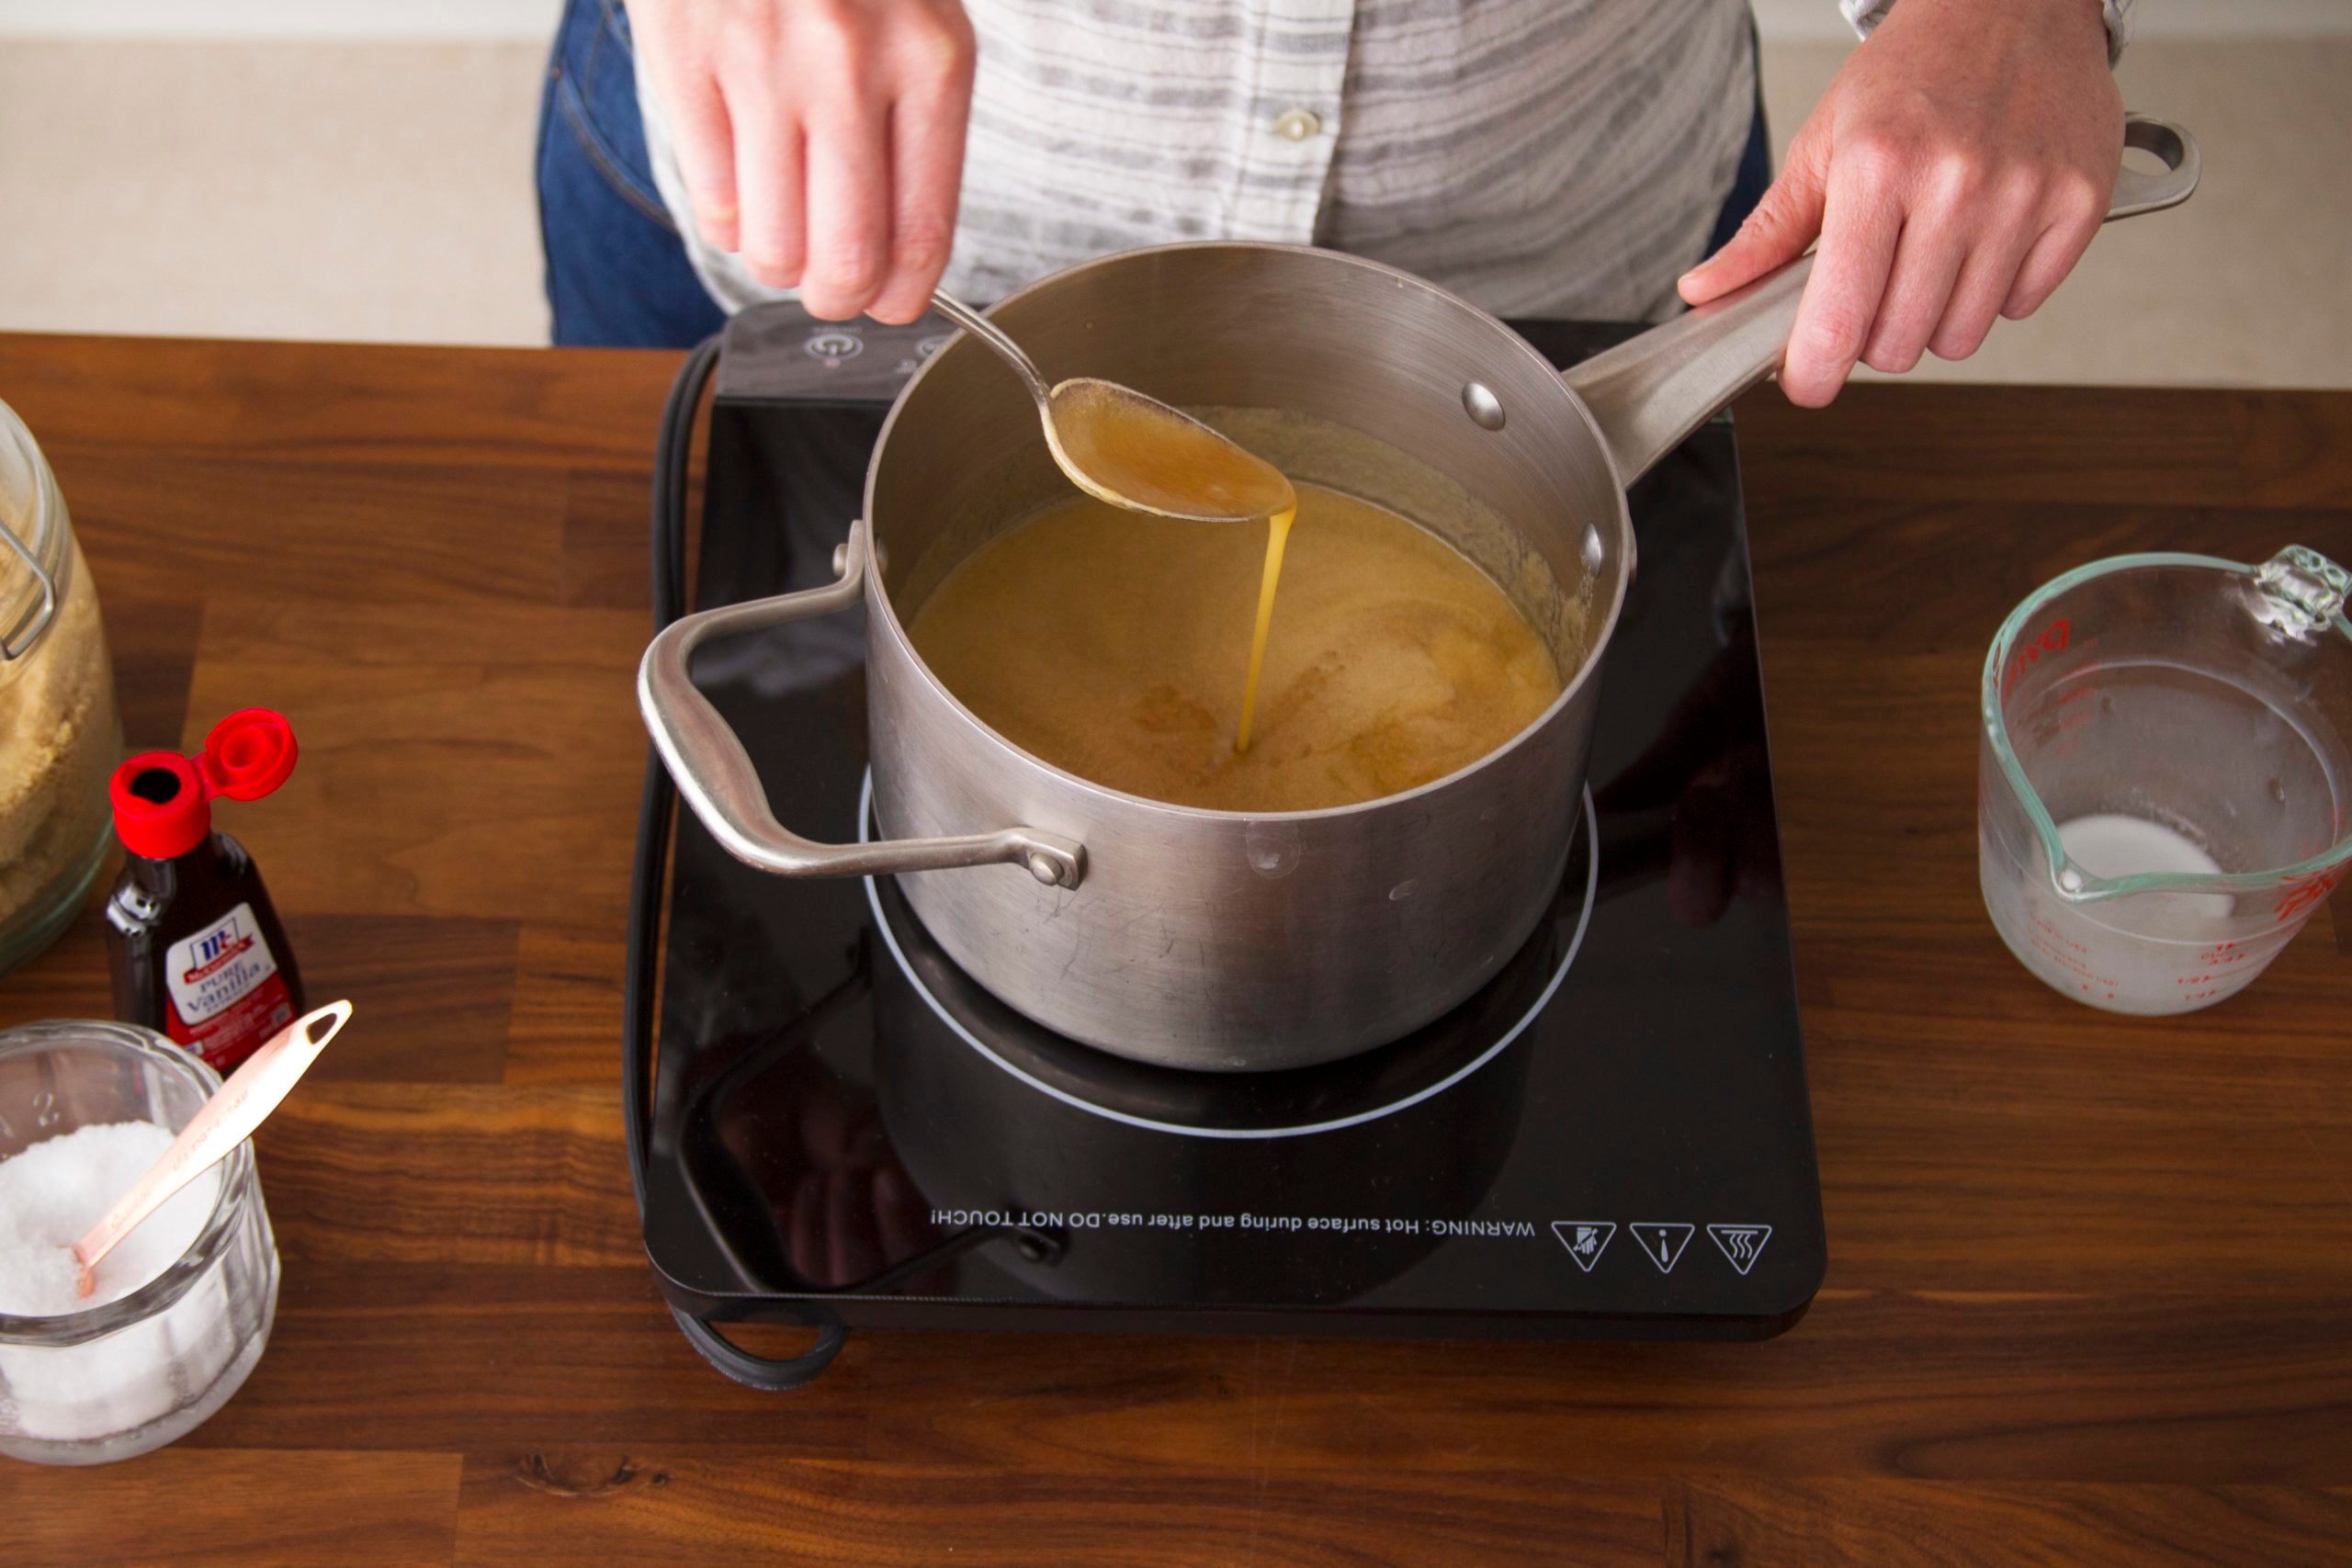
x=1542, y=158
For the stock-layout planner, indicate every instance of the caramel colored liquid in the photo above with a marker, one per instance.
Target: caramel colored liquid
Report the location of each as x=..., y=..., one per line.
x=1159, y=460
x=1277, y=537
x=1114, y=646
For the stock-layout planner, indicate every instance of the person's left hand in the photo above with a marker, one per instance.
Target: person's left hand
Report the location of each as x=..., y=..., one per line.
x=1955, y=170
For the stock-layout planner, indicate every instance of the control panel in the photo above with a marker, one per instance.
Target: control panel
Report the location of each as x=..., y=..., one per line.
x=778, y=353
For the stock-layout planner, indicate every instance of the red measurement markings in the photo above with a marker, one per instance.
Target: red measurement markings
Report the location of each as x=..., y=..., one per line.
x=2042, y=924
x=2301, y=898
x=2054, y=639
x=2064, y=741
x=2066, y=951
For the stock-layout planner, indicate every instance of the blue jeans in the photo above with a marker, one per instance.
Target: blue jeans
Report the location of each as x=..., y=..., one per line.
x=1754, y=176
x=617, y=271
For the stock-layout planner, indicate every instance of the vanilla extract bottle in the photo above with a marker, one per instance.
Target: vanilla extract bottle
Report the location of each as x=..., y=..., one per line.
x=196, y=947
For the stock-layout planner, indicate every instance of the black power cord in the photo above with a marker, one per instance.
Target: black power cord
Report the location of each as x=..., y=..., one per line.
x=672, y=454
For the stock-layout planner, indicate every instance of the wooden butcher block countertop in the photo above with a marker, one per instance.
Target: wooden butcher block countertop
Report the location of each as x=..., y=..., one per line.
x=2089, y=1297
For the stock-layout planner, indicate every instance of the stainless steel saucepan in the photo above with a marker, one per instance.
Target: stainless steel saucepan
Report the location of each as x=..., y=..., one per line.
x=1222, y=940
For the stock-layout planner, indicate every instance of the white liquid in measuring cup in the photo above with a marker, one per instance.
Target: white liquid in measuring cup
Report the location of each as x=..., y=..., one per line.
x=2108, y=844
x=2147, y=953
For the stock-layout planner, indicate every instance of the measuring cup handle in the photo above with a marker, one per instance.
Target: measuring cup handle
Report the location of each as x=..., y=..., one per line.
x=1647, y=394
x=718, y=782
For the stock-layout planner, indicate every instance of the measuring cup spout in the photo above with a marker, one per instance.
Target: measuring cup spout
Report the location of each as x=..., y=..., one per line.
x=1649, y=393
x=2075, y=883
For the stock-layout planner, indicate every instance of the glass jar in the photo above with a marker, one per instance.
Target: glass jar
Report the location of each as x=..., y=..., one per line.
x=130, y=1375
x=59, y=737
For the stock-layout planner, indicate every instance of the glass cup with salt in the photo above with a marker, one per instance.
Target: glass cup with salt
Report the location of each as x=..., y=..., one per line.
x=183, y=1305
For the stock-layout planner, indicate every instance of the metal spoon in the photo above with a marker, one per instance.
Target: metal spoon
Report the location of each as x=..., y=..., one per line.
x=223, y=1122
x=1134, y=451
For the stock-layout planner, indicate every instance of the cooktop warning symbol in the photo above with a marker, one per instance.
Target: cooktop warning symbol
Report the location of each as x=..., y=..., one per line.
x=1742, y=1244
x=1584, y=1239
x=1662, y=1244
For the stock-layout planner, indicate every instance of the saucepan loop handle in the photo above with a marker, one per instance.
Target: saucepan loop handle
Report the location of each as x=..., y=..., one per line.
x=1648, y=393
x=717, y=780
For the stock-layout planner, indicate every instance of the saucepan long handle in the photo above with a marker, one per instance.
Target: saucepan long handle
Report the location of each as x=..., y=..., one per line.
x=1647, y=394
x=716, y=777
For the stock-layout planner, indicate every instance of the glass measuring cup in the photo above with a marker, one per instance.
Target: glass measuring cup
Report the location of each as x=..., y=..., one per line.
x=2165, y=781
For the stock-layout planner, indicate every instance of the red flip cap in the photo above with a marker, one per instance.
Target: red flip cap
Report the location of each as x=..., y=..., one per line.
x=163, y=800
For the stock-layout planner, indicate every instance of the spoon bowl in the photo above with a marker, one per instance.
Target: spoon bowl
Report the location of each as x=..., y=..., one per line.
x=1137, y=452
x=1134, y=451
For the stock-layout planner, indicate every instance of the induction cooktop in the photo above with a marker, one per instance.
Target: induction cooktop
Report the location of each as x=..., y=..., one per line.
x=832, y=1125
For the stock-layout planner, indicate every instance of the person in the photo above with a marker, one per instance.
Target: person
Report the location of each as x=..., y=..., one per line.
x=1602, y=159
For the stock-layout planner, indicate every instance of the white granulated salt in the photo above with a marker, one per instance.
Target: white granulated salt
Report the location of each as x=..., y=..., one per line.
x=55, y=1191
x=49, y=1195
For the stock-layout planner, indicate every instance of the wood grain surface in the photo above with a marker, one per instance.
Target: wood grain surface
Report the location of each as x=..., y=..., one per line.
x=2090, y=1288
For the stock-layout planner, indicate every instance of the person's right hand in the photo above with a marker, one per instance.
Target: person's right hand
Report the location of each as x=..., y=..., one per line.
x=820, y=139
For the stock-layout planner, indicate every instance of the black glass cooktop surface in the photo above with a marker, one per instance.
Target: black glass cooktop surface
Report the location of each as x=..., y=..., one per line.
x=1612, y=1140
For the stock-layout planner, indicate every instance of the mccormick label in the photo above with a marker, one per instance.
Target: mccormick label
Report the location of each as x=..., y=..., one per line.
x=227, y=998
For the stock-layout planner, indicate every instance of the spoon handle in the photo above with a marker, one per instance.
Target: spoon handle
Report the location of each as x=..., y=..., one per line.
x=223, y=1121
x=989, y=332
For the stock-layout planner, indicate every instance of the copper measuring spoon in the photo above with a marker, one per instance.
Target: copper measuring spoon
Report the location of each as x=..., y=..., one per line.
x=1133, y=451
x=223, y=1122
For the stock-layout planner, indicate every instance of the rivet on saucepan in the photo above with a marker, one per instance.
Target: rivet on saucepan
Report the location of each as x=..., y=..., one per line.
x=1591, y=548
x=1042, y=867
x=840, y=558
x=1485, y=409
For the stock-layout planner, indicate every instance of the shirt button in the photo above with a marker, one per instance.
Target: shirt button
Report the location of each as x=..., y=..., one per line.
x=1296, y=125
